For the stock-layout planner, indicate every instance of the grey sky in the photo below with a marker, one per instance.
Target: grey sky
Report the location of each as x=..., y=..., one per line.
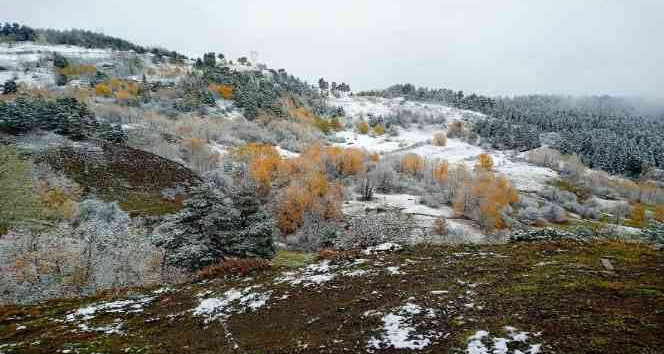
x=488, y=46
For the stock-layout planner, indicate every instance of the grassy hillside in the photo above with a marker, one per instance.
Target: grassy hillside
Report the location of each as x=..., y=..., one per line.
x=135, y=178
x=533, y=297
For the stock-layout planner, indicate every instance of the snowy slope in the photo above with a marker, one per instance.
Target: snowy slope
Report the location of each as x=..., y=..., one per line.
x=524, y=176
x=356, y=107
x=32, y=63
x=385, y=143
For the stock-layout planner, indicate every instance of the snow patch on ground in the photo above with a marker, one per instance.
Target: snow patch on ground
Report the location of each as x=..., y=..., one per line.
x=387, y=246
x=84, y=314
x=220, y=149
x=456, y=151
x=380, y=144
x=313, y=274
x=524, y=176
x=356, y=273
x=232, y=302
x=121, y=306
x=115, y=328
x=400, y=329
x=518, y=342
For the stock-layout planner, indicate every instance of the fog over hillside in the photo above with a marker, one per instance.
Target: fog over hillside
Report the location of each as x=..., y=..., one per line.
x=489, y=47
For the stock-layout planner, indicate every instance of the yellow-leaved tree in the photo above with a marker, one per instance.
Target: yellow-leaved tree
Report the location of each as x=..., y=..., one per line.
x=659, y=213
x=484, y=162
x=412, y=163
x=441, y=171
x=263, y=163
x=363, y=127
x=638, y=214
x=224, y=91
x=103, y=90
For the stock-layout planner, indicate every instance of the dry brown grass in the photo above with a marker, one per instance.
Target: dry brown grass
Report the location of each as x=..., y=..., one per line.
x=335, y=255
x=231, y=267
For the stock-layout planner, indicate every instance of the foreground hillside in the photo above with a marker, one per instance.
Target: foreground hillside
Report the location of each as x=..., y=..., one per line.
x=559, y=297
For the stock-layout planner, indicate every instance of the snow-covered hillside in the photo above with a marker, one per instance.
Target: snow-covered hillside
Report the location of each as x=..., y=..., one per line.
x=32, y=63
x=524, y=176
x=361, y=106
x=417, y=139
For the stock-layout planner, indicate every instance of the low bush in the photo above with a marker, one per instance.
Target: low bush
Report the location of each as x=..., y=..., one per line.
x=234, y=267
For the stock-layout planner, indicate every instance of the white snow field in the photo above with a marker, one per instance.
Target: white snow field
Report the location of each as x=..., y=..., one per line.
x=31, y=63
x=524, y=176
x=356, y=107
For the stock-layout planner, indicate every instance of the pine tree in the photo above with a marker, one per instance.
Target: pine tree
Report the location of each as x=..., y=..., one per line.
x=112, y=133
x=9, y=87
x=655, y=232
x=255, y=237
x=189, y=236
x=209, y=60
x=212, y=227
x=59, y=61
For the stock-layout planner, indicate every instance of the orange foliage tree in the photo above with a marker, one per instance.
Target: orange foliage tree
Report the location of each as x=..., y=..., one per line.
x=659, y=213
x=133, y=88
x=58, y=202
x=103, y=90
x=484, y=162
x=638, y=214
x=363, y=127
x=351, y=161
x=314, y=195
x=440, y=172
x=378, y=129
x=307, y=188
x=483, y=198
x=412, y=163
x=224, y=91
x=263, y=162
x=291, y=205
x=124, y=96
x=116, y=84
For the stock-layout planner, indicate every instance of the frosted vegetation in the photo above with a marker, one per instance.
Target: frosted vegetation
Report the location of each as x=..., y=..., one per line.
x=280, y=163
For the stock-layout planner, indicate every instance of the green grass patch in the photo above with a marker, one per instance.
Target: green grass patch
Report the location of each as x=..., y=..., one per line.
x=148, y=204
x=292, y=259
x=647, y=292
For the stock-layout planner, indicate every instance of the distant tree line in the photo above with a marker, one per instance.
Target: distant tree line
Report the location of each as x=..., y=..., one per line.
x=443, y=96
x=607, y=132
x=326, y=87
x=16, y=32
x=66, y=116
x=82, y=38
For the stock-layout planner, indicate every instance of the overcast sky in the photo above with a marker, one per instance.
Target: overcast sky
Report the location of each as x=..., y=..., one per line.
x=497, y=47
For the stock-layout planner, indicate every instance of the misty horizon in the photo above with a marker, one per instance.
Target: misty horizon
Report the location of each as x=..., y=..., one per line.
x=512, y=48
